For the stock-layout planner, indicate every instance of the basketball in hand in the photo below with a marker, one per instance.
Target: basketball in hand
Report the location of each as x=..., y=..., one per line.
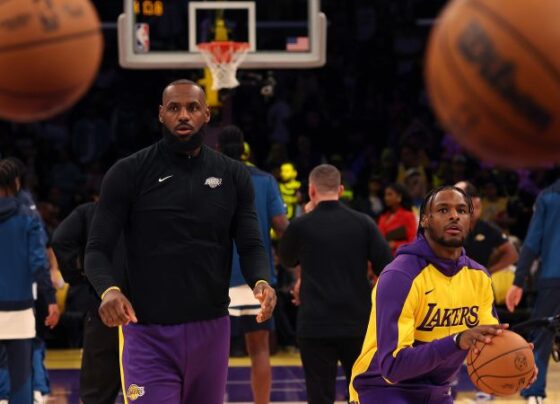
x=503, y=367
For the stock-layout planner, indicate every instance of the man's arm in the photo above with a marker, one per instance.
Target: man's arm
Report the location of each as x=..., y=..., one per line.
x=504, y=256
x=530, y=251
x=107, y=224
x=379, y=253
x=252, y=257
x=69, y=241
x=37, y=253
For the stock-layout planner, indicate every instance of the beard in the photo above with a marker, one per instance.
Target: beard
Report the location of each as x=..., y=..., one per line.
x=453, y=243
x=186, y=146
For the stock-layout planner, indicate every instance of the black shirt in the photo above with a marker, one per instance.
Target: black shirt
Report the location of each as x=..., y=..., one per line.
x=482, y=240
x=180, y=215
x=333, y=244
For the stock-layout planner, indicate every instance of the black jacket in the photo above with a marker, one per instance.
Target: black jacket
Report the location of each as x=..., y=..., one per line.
x=333, y=245
x=180, y=216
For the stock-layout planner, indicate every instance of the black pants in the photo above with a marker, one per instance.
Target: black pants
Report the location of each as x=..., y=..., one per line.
x=320, y=357
x=100, y=375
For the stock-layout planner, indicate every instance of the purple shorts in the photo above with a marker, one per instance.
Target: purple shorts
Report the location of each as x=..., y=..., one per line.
x=176, y=364
x=396, y=395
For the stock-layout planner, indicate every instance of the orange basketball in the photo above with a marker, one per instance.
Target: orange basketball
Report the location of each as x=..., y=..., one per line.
x=50, y=51
x=503, y=367
x=493, y=77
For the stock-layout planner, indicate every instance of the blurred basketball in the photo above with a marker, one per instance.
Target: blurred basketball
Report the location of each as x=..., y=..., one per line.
x=50, y=51
x=493, y=77
x=503, y=367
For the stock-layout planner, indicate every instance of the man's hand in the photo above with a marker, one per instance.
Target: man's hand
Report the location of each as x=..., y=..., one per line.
x=115, y=310
x=482, y=333
x=54, y=315
x=513, y=297
x=266, y=295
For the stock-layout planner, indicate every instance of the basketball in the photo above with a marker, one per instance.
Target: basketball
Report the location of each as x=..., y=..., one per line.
x=50, y=51
x=492, y=73
x=503, y=367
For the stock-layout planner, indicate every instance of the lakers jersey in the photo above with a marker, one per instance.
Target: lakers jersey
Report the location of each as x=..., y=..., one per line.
x=418, y=304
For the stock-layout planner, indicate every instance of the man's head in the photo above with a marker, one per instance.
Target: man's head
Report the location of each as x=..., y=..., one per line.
x=445, y=216
x=324, y=183
x=9, y=178
x=183, y=112
x=230, y=142
x=396, y=195
x=471, y=191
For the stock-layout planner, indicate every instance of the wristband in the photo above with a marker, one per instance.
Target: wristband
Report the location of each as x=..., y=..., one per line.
x=261, y=281
x=108, y=290
x=457, y=339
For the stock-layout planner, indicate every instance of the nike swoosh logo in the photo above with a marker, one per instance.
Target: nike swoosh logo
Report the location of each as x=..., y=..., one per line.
x=429, y=291
x=165, y=178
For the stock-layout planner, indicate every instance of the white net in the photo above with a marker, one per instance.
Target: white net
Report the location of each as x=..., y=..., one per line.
x=223, y=59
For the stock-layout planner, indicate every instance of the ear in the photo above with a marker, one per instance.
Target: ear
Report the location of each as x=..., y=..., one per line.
x=161, y=114
x=208, y=114
x=340, y=190
x=312, y=191
x=424, y=222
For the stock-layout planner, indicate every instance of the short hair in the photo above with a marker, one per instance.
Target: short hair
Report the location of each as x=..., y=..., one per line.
x=325, y=178
x=470, y=189
x=9, y=172
x=230, y=140
x=427, y=202
x=402, y=191
x=182, y=81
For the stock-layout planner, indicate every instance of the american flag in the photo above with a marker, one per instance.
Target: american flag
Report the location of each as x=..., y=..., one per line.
x=297, y=44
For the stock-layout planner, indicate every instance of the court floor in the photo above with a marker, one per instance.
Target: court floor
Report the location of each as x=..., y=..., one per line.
x=288, y=385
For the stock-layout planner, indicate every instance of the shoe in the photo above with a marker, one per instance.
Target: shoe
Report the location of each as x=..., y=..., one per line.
x=483, y=397
x=535, y=400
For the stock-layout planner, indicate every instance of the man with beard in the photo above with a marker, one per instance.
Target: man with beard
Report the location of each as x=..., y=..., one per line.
x=180, y=206
x=430, y=305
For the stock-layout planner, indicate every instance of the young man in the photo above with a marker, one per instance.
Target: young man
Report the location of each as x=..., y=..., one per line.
x=180, y=206
x=23, y=252
x=431, y=304
x=333, y=245
x=271, y=213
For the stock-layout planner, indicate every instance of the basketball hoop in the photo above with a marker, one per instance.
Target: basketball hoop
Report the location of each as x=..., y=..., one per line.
x=223, y=58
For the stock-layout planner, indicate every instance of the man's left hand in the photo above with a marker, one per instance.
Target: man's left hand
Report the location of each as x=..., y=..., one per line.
x=266, y=295
x=54, y=315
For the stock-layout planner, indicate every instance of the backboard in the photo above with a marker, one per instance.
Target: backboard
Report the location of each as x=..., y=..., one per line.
x=163, y=34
